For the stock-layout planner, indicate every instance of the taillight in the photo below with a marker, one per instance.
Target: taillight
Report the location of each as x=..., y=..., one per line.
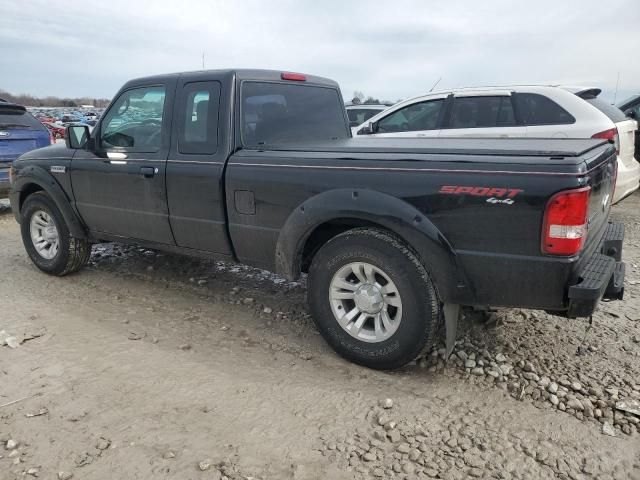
x=296, y=77
x=565, y=222
x=52, y=139
x=612, y=136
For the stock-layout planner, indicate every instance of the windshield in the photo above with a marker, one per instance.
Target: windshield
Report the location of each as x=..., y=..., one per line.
x=277, y=113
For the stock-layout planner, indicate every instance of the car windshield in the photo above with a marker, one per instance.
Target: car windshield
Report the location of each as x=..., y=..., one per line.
x=614, y=113
x=276, y=113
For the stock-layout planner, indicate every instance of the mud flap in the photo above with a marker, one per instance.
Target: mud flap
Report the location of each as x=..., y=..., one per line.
x=451, y=317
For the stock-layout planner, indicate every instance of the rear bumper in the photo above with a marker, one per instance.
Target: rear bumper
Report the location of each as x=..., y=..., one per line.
x=601, y=277
x=628, y=179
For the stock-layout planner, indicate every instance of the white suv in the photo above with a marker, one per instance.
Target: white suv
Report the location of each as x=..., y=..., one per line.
x=515, y=111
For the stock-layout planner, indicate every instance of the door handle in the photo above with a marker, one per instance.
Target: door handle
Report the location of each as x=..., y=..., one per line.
x=148, y=172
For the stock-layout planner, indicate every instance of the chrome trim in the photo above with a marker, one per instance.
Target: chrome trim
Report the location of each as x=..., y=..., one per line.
x=195, y=161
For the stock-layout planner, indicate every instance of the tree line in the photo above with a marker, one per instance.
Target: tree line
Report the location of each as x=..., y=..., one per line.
x=51, y=101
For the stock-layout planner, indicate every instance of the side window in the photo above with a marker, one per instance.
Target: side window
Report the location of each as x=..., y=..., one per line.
x=135, y=120
x=413, y=118
x=535, y=109
x=198, y=128
x=482, y=112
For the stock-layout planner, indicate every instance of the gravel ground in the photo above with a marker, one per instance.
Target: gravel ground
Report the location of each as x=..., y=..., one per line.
x=147, y=365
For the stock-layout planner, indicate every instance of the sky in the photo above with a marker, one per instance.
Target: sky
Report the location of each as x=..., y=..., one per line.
x=387, y=49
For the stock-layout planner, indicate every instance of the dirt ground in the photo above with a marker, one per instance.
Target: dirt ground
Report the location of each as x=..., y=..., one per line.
x=152, y=366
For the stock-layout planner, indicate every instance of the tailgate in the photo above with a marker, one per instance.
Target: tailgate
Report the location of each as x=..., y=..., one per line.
x=14, y=143
x=626, y=134
x=601, y=178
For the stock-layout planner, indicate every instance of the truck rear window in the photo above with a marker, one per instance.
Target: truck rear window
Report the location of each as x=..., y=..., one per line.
x=275, y=113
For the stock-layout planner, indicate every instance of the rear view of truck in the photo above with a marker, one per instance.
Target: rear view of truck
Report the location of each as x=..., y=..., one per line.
x=586, y=230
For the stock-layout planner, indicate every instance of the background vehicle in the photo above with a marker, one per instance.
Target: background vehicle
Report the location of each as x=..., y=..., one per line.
x=631, y=108
x=362, y=112
x=58, y=131
x=259, y=167
x=515, y=111
x=20, y=132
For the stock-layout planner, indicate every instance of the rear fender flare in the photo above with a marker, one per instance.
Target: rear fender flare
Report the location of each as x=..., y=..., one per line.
x=377, y=208
x=37, y=175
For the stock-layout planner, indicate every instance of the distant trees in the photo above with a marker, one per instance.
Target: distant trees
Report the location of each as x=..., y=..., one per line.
x=31, y=101
x=360, y=99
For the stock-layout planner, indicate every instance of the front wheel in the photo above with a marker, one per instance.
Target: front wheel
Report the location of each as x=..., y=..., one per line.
x=46, y=237
x=372, y=299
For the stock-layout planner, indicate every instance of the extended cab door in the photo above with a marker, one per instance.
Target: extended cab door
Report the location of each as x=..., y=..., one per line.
x=482, y=114
x=199, y=149
x=119, y=184
x=418, y=119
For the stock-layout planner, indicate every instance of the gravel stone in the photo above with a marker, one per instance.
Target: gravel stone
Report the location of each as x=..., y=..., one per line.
x=386, y=403
x=394, y=436
x=576, y=386
x=470, y=363
x=11, y=444
x=65, y=475
x=607, y=429
x=404, y=448
x=552, y=387
x=369, y=457
x=575, y=404
x=408, y=467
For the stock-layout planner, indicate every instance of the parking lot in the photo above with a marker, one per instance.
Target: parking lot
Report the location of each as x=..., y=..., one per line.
x=148, y=365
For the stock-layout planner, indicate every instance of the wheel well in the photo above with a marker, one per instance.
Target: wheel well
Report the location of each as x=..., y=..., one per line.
x=326, y=231
x=28, y=190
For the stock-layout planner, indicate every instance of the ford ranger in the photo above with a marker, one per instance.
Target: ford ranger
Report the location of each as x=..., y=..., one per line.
x=396, y=235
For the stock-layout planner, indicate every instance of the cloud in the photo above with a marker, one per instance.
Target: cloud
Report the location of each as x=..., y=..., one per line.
x=390, y=50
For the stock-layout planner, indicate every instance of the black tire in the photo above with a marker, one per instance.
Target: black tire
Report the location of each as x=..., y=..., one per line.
x=420, y=305
x=73, y=253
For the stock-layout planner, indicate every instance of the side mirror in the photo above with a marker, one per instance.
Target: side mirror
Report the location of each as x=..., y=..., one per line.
x=630, y=113
x=77, y=136
x=369, y=129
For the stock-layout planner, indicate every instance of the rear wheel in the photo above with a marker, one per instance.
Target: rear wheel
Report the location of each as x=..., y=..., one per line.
x=372, y=299
x=46, y=237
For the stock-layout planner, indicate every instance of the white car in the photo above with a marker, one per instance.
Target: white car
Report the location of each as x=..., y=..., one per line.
x=515, y=111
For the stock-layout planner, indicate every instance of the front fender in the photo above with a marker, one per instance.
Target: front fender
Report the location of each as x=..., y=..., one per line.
x=37, y=175
x=376, y=208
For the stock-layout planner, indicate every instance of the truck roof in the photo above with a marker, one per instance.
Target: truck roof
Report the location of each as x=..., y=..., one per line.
x=239, y=73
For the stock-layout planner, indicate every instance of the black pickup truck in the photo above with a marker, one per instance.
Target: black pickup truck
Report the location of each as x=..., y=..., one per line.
x=396, y=235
